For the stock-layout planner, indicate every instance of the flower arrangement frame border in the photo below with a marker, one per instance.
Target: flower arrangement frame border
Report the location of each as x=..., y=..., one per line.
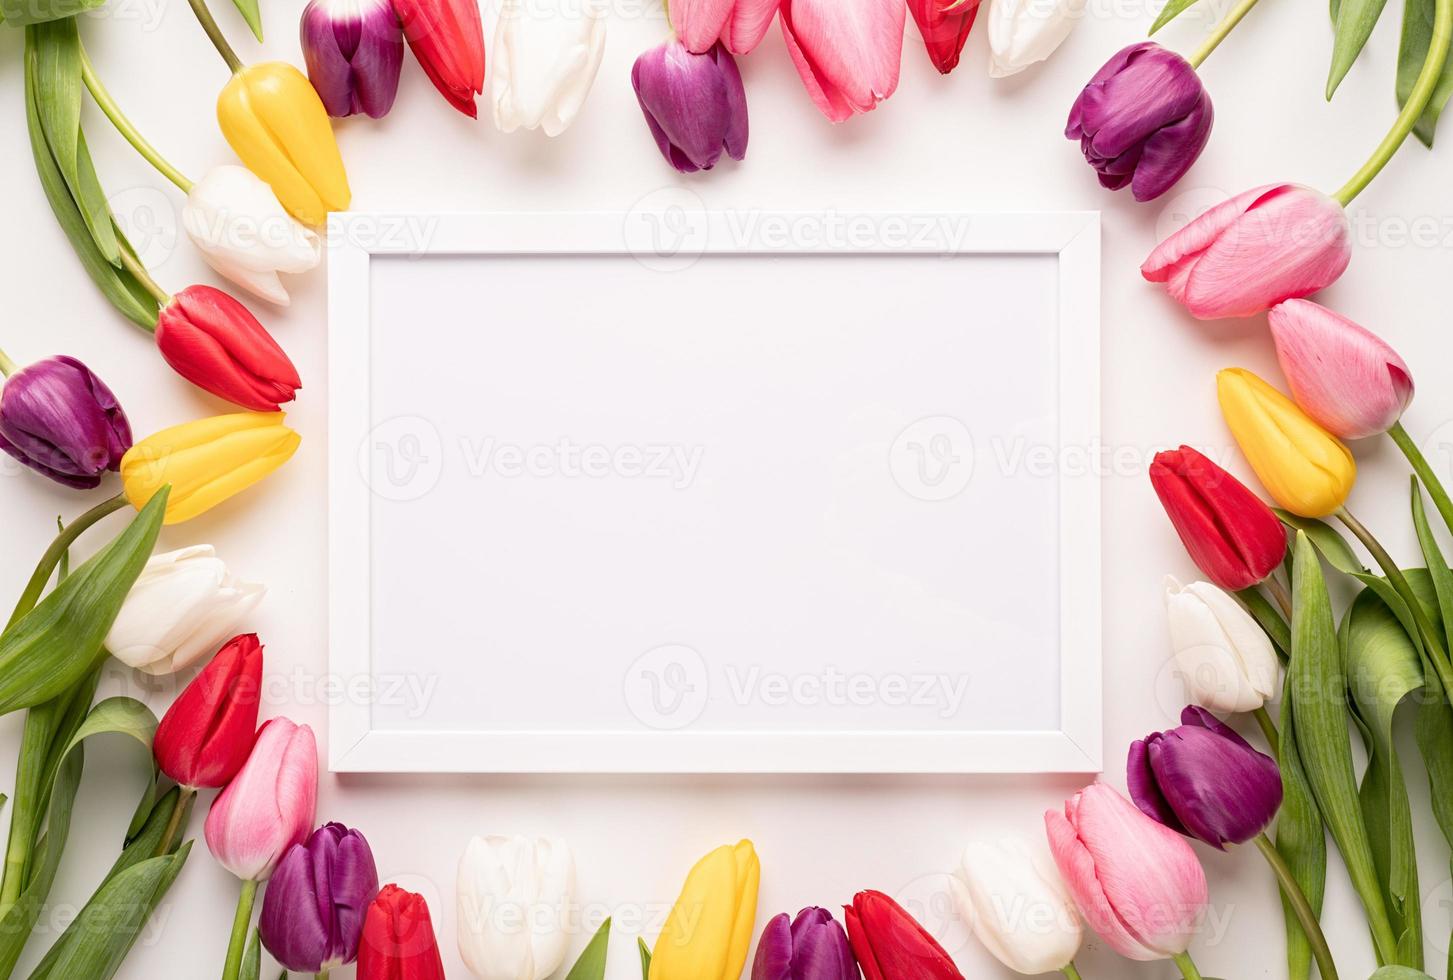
x=667, y=234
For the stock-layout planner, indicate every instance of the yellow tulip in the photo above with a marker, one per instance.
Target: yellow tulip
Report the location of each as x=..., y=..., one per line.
x=275, y=122
x=1305, y=468
x=206, y=461
x=710, y=927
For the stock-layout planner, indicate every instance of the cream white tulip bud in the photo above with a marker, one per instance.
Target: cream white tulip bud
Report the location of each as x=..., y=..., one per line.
x=1017, y=906
x=1025, y=32
x=183, y=606
x=236, y=221
x=1227, y=661
x=514, y=901
x=545, y=59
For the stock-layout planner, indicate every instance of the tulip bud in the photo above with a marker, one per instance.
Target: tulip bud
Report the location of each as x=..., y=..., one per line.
x=447, y=38
x=182, y=605
x=545, y=62
x=811, y=947
x=1246, y=255
x=1304, y=468
x=215, y=343
x=1230, y=534
x=1346, y=378
x=206, y=461
x=694, y=104
x=848, y=52
x=1203, y=780
x=890, y=944
x=532, y=881
x=1225, y=658
x=245, y=234
x=207, y=734
x=1143, y=120
x=60, y=420
x=1136, y=882
x=944, y=30
x=273, y=119
x=269, y=806
x=710, y=927
x=739, y=25
x=1017, y=906
x=1026, y=32
x=312, y=911
x=354, y=50
x=398, y=939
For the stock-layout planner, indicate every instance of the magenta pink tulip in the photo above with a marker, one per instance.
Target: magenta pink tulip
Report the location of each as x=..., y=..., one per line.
x=270, y=804
x=1244, y=256
x=1345, y=377
x=1137, y=883
x=739, y=25
x=848, y=52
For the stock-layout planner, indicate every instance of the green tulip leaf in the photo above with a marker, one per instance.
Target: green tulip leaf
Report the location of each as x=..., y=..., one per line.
x=1269, y=620
x=591, y=965
x=1168, y=13
x=1318, y=689
x=1353, y=21
x=252, y=958
x=55, y=644
x=1330, y=544
x=645, y=959
x=1399, y=973
x=1417, y=37
x=1301, y=841
x=250, y=13
x=23, y=13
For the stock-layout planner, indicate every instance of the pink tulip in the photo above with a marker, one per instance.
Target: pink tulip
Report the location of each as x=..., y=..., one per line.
x=847, y=51
x=1246, y=255
x=1136, y=882
x=739, y=25
x=1342, y=375
x=270, y=804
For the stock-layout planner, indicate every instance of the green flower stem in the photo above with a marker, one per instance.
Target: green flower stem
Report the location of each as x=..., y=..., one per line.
x=124, y=126
x=174, y=823
x=215, y=35
x=241, y=924
x=1069, y=970
x=133, y=265
x=1430, y=480
x=322, y=976
x=1188, y=968
x=1303, y=909
x=1279, y=593
x=1418, y=100
x=7, y=366
x=57, y=551
x=1399, y=582
x=1224, y=28
x=1268, y=729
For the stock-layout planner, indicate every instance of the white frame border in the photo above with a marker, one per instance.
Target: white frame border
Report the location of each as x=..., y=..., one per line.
x=353, y=746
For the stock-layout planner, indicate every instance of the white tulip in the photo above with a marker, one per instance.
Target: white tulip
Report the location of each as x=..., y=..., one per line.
x=184, y=605
x=545, y=59
x=1227, y=661
x=1017, y=906
x=514, y=900
x=235, y=220
x=1025, y=32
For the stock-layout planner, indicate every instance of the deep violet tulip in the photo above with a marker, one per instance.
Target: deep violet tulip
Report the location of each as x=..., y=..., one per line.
x=315, y=904
x=60, y=420
x=695, y=104
x=810, y=947
x=354, y=50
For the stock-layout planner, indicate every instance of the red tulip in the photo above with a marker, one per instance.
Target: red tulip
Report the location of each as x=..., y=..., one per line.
x=447, y=38
x=944, y=32
x=215, y=343
x=1231, y=535
x=891, y=945
x=398, y=939
x=207, y=734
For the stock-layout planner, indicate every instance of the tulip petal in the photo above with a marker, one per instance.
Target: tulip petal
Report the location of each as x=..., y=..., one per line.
x=847, y=52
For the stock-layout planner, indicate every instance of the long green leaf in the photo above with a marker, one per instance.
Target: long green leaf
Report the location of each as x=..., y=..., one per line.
x=1417, y=37
x=1269, y=619
x=645, y=959
x=23, y=13
x=1330, y=544
x=1399, y=973
x=1168, y=13
x=591, y=965
x=1319, y=688
x=1301, y=841
x=250, y=13
x=1352, y=26
x=252, y=958
x=56, y=643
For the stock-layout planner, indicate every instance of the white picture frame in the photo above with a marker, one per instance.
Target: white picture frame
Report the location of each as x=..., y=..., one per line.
x=667, y=240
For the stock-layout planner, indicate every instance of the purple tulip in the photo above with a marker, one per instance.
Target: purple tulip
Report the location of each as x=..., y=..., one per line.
x=694, y=103
x=313, y=911
x=811, y=947
x=1143, y=120
x=60, y=419
x=354, y=50
x=1204, y=781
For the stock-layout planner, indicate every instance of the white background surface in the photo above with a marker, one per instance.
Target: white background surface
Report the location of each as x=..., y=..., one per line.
x=964, y=142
